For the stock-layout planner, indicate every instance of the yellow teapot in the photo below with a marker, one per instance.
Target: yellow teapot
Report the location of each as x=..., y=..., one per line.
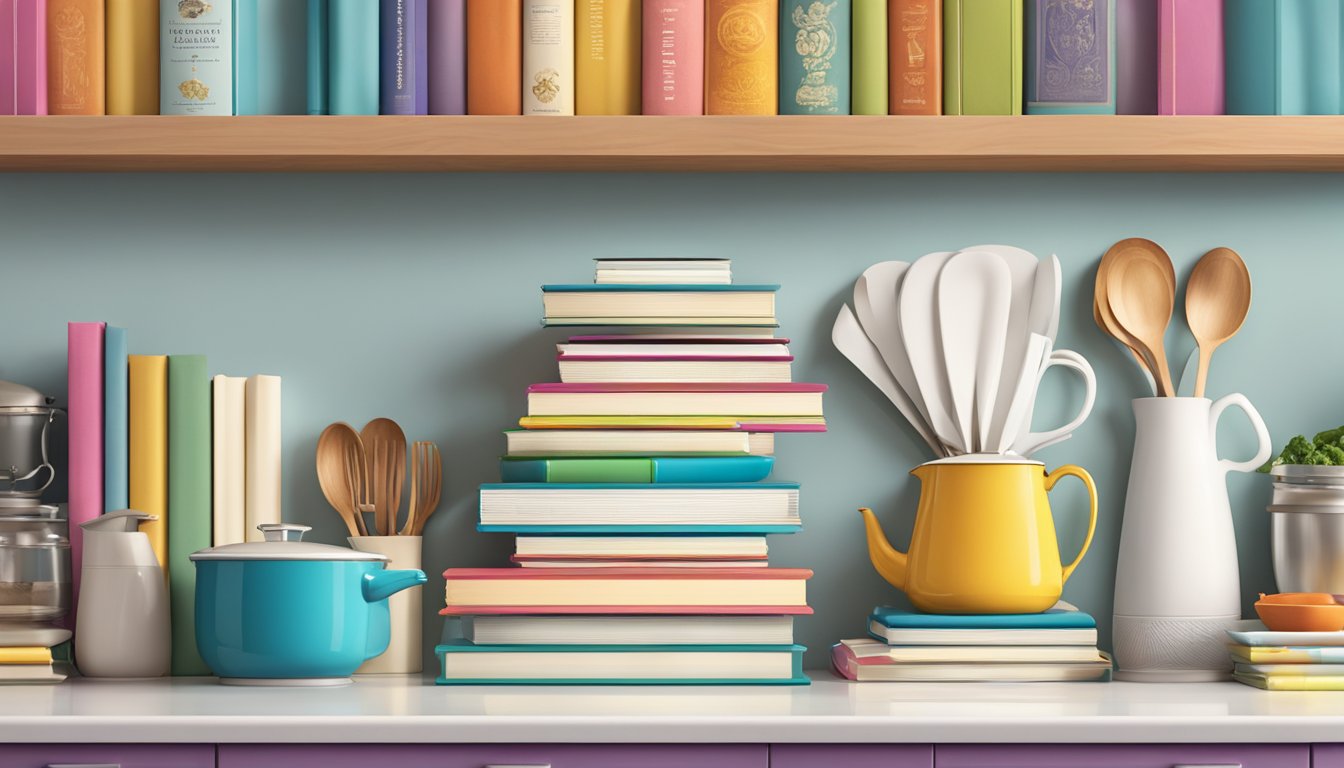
x=984, y=540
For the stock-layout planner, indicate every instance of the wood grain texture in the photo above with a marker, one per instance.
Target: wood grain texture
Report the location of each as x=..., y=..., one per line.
x=1057, y=143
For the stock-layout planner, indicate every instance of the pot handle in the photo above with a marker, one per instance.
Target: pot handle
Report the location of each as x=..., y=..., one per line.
x=1257, y=423
x=1075, y=471
x=381, y=585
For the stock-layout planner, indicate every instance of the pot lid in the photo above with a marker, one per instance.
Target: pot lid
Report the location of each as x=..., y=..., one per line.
x=18, y=396
x=1307, y=474
x=284, y=542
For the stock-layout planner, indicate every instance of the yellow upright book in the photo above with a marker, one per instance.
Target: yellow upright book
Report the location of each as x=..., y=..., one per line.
x=25, y=655
x=132, y=57
x=148, y=427
x=742, y=57
x=75, y=30
x=607, y=38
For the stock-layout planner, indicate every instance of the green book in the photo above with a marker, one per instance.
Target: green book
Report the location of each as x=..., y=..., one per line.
x=982, y=57
x=188, y=499
x=868, y=79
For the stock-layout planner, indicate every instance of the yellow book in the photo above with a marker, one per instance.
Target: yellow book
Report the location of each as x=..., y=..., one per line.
x=148, y=427
x=132, y=57
x=606, y=51
x=742, y=57
x=1247, y=654
x=25, y=655
x=1293, y=682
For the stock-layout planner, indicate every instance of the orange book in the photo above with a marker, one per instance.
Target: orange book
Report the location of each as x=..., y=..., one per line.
x=494, y=57
x=75, y=34
x=915, y=46
x=742, y=57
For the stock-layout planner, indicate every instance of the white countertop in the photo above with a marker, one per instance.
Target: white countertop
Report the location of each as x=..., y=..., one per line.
x=413, y=710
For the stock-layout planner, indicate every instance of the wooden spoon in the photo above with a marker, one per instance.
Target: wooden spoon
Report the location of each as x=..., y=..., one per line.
x=1101, y=307
x=1142, y=295
x=340, y=461
x=1217, y=300
x=385, y=446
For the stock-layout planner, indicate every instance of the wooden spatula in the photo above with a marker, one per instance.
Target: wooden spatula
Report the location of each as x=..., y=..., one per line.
x=385, y=446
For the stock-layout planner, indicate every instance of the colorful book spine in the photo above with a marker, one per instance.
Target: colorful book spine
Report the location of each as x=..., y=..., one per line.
x=447, y=43
x=1190, y=57
x=229, y=460
x=318, y=32
x=915, y=42
x=1283, y=57
x=352, y=57
x=868, y=69
x=9, y=58
x=148, y=394
x=674, y=57
x=116, y=491
x=982, y=48
x=1070, y=57
x=188, y=500
x=85, y=379
x=263, y=464
x=741, y=57
x=548, y=57
x=196, y=57
x=132, y=57
x=494, y=57
x=23, y=68
x=404, y=87
x=607, y=57
x=75, y=57
x=270, y=57
x=1136, y=57
x=814, y=44
x=726, y=469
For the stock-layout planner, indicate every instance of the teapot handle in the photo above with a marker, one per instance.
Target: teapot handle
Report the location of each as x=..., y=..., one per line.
x=1070, y=470
x=1257, y=423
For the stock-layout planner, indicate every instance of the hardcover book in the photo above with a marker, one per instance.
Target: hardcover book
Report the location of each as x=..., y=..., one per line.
x=263, y=457
x=630, y=630
x=636, y=547
x=196, y=57
x=23, y=90
x=548, y=57
x=116, y=493
x=494, y=57
x=463, y=663
x=133, y=58
x=1136, y=57
x=814, y=44
x=352, y=57
x=1284, y=57
x=188, y=500
x=270, y=57
x=640, y=442
x=447, y=42
x=148, y=388
x=741, y=57
x=229, y=460
x=722, y=469
x=1070, y=57
x=404, y=62
x=982, y=46
x=868, y=70
x=85, y=380
x=607, y=56
x=76, y=37
x=849, y=666
x=1190, y=57
x=741, y=401
x=674, y=60
x=633, y=304
x=915, y=41
x=1062, y=616
x=318, y=39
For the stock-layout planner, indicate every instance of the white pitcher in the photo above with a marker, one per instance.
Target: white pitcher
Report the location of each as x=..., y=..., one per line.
x=1177, y=587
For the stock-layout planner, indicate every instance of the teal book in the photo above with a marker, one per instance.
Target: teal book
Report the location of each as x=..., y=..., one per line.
x=1062, y=616
x=1283, y=57
x=352, y=57
x=270, y=57
x=1071, y=64
x=464, y=663
x=317, y=57
x=189, y=500
x=116, y=436
x=727, y=469
x=814, y=53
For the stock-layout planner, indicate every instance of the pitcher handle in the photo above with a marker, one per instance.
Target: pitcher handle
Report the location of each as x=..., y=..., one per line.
x=1032, y=442
x=1257, y=423
x=1075, y=471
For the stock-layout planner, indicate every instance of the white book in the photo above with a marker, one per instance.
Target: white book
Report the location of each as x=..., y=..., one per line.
x=524, y=504
x=666, y=265
x=263, y=464
x=867, y=648
x=630, y=630
x=229, y=420
x=637, y=442
x=641, y=546
x=548, y=57
x=659, y=277
x=898, y=636
x=196, y=57
x=675, y=371
x=657, y=350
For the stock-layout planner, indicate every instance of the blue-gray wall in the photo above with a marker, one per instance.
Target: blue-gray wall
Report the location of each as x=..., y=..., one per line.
x=416, y=297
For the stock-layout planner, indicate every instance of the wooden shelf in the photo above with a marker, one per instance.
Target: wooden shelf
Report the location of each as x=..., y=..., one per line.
x=886, y=144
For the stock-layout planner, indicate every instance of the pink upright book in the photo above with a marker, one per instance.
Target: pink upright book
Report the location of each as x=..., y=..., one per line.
x=85, y=363
x=23, y=57
x=1190, y=57
x=674, y=57
x=8, y=58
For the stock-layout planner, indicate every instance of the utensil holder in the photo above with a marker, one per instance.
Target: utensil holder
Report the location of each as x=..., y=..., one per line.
x=403, y=654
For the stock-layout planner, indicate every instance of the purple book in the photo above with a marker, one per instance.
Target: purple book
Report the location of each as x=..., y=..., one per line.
x=447, y=57
x=403, y=62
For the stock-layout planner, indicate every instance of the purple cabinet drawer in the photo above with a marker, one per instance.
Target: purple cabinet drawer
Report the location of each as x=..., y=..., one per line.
x=481, y=755
x=1327, y=756
x=1124, y=756
x=122, y=755
x=851, y=756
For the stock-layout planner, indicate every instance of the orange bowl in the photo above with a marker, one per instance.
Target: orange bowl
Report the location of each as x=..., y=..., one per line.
x=1301, y=612
x=1298, y=598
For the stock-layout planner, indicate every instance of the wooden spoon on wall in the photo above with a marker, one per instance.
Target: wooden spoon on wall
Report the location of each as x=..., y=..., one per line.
x=1142, y=295
x=1217, y=300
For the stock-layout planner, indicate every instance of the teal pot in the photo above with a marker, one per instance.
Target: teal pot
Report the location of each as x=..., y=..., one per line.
x=288, y=612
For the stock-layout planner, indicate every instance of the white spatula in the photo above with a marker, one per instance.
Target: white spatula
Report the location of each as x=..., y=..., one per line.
x=875, y=306
x=917, y=307
x=975, y=297
x=1024, y=267
x=1024, y=394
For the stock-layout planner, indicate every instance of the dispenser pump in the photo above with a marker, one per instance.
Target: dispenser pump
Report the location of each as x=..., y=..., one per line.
x=114, y=540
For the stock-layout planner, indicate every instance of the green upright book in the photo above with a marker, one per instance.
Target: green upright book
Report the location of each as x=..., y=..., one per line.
x=868, y=67
x=982, y=57
x=188, y=499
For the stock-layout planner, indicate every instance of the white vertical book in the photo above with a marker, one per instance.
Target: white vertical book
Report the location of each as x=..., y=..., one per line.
x=230, y=454
x=548, y=57
x=262, y=429
x=196, y=57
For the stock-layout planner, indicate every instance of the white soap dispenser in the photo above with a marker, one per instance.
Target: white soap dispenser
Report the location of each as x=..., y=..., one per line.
x=123, y=620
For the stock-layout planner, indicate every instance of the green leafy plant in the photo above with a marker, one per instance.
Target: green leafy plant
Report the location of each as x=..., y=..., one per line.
x=1326, y=449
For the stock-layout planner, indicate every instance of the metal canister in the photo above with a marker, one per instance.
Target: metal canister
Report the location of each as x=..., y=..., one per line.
x=34, y=564
x=1307, y=528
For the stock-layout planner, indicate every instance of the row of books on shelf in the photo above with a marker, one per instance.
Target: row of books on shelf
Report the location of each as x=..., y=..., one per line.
x=669, y=57
x=155, y=433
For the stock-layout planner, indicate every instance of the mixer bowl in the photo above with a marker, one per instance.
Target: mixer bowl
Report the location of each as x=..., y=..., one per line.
x=34, y=565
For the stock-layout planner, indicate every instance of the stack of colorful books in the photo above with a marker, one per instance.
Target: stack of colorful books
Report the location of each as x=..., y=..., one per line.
x=638, y=494
x=1059, y=645
x=1288, y=661
x=33, y=665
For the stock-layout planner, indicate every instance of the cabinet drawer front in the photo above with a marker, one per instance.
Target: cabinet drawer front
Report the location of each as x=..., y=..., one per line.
x=482, y=755
x=851, y=756
x=1327, y=756
x=122, y=755
x=1124, y=756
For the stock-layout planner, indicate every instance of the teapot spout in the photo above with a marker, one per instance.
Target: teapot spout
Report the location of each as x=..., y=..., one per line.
x=888, y=562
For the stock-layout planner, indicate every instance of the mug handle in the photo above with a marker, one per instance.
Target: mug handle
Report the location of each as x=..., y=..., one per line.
x=1075, y=471
x=1257, y=423
x=1035, y=441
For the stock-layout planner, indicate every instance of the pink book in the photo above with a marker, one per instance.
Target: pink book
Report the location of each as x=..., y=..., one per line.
x=1190, y=57
x=23, y=57
x=674, y=57
x=642, y=574
x=85, y=366
x=677, y=387
x=8, y=58
x=635, y=338
x=626, y=610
